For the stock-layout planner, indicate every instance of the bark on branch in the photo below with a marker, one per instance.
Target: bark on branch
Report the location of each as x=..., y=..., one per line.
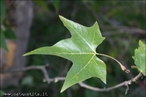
x=56, y=79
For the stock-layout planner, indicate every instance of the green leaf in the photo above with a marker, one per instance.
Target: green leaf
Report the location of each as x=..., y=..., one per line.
x=28, y=80
x=140, y=57
x=42, y=4
x=3, y=40
x=2, y=93
x=80, y=49
x=9, y=34
x=2, y=10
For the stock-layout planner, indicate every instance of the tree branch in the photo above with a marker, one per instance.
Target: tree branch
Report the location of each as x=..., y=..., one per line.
x=56, y=79
x=42, y=68
x=125, y=83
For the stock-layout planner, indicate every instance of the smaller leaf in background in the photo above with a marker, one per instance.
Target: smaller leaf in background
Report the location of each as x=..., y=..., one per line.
x=140, y=57
x=42, y=4
x=9, y=34
x=28, y=80
x=3, y=40
x=2, y=93
x=2, y=10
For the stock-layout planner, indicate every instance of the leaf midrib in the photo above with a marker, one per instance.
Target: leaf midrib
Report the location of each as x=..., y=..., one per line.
x=86, y=42
x=82, y=68
x=83, y=39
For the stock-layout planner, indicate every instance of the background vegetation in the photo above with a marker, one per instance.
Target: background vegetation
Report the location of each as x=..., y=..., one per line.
x=121, y=22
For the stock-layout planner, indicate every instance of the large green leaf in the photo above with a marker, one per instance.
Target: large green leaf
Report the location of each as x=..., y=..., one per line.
x=140, y=57
x=80, y=49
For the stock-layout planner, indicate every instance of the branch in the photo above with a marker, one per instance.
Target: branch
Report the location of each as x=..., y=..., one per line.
x=124, y=29
x=42, y=68
x=25, y=69
x=56, y=79
x=126, y=83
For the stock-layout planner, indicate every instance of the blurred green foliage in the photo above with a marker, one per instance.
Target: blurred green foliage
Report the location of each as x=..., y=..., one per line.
x=1, y=93
x=112, y=16
x=3, y=42
x=2, y=17
x=2, y=10
x=5, y=30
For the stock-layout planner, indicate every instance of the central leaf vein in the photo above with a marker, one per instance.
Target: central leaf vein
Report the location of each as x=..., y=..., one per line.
x=82, y=68
x=83, y=39
x=86, y=42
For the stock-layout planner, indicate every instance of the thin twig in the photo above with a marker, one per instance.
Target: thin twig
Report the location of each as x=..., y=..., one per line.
x=137, y=77
x=125, y=83
x=42, y=68
x=122, y=66
x=24, y=69
x=104, y=89
x=56, y=79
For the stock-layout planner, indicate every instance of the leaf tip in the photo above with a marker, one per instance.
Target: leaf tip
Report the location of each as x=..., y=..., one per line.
x=60, y=16
x=62, y=90
x=24, y=54
x=64, y=87
x=141, y=43
x=104, y=81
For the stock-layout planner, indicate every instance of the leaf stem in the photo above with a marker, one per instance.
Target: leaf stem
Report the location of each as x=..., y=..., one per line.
x=122, y=66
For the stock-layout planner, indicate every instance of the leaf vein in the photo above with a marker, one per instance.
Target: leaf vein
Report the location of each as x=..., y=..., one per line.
x=82, y=68
x=84, y=40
